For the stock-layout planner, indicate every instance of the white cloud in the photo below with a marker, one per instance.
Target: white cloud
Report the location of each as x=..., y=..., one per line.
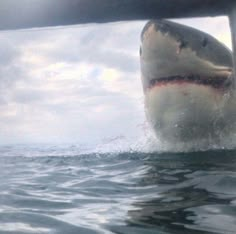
x=79, y=84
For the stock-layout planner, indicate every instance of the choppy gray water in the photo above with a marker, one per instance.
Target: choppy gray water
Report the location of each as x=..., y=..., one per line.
x=46, y=190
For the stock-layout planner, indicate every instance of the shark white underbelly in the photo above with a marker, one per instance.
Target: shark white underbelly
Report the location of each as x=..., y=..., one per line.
x=188, y=84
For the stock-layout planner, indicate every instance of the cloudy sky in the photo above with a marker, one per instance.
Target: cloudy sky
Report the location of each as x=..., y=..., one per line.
x=77, y=84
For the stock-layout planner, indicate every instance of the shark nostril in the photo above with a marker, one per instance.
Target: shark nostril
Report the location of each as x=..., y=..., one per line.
x=182, y=45
x=140, y=51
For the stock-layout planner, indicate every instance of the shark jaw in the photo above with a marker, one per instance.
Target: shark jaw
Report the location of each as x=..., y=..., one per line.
x=187, y=82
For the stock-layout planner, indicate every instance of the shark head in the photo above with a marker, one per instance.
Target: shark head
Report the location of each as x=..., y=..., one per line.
x=172, y=52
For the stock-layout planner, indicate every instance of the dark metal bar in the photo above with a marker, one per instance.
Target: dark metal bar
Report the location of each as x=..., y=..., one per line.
x=17, y=14
x=232, y=19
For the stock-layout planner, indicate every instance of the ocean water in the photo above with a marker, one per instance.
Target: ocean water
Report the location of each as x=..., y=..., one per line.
x=52, y=189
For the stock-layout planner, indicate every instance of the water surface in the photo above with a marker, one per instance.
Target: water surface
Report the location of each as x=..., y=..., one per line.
x=61, y=190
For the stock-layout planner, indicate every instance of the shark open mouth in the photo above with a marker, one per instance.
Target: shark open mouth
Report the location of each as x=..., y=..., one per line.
x=215, y=82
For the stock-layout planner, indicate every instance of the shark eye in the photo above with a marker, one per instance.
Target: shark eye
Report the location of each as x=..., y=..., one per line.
x=204, y=42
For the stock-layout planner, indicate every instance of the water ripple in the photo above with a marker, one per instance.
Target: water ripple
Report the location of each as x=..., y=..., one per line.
x=118, y=193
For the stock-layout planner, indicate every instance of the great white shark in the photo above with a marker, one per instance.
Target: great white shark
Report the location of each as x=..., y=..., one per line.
x=187, y=78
